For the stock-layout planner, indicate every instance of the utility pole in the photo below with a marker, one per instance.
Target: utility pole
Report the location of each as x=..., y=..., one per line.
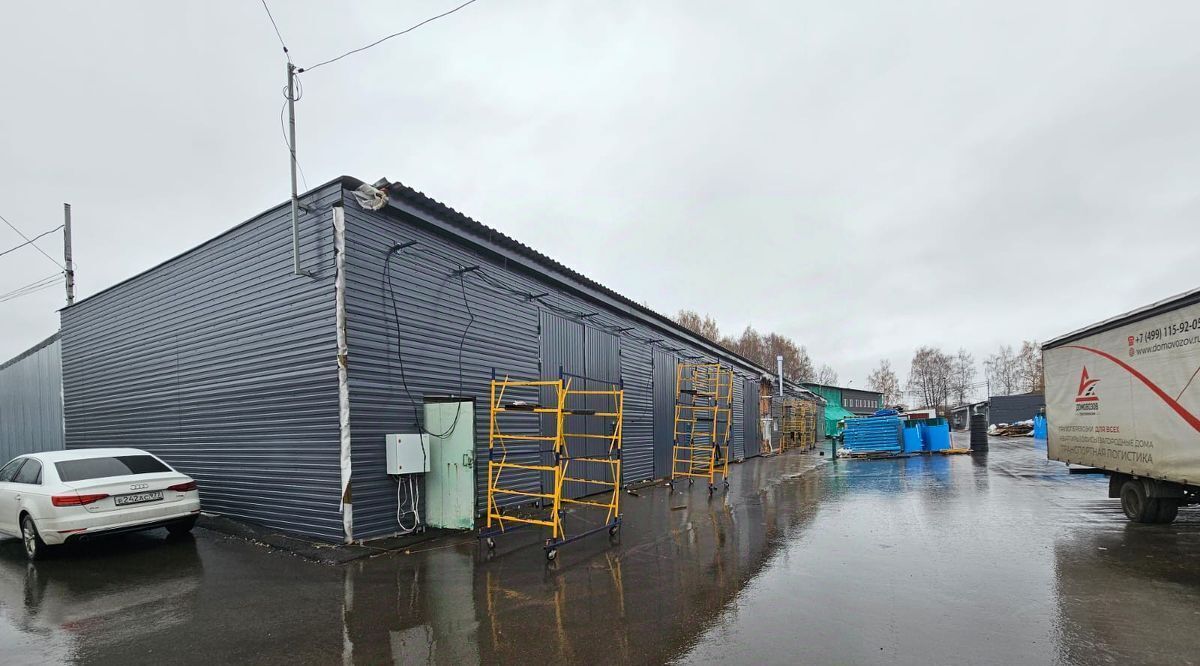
x=291, y=103
x=67, y=265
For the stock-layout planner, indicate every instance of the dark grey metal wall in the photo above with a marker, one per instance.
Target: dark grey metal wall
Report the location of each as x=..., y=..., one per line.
x=562, y=348
x=737, y=437
x=602, y=366
x=750, y=417
x=31, y=416
x=665, y=363
x=510, y=333
x=223, y=362
x=405, y=348
x=1013, y=408
x=637, y=369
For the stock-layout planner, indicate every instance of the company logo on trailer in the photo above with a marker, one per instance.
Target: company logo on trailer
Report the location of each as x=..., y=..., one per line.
x=1086, y=400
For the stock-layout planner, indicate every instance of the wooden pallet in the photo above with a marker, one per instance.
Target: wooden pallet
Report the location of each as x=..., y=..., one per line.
x=949, y=452
x=868, y=455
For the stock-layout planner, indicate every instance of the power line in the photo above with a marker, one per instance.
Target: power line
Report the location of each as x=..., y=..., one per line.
x=35, y=286
x=277, y=33
x=29, y=242
x=380, y=41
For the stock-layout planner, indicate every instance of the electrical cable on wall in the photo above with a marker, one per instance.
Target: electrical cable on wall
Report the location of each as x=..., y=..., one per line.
x=390, y=294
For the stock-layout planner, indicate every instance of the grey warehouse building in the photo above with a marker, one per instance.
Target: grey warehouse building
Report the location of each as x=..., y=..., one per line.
x=275, y=390
x=31, y=413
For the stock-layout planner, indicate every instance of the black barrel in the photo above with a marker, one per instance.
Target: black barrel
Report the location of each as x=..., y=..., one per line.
x=979, y=437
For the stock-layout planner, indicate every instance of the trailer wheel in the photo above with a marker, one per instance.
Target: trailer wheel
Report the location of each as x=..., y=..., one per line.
x=1168, y=509
x=1137, y=506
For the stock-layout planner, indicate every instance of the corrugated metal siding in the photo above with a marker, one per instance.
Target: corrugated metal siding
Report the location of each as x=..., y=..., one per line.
x=602, y=362
x=433, y=318
x=737, y=444
x=665, y=363
x=505, y=336
x=1013, y=408
x=637, y=460
x=562, y=351
x=31, y=417
x=750, y=422
x=224, y=363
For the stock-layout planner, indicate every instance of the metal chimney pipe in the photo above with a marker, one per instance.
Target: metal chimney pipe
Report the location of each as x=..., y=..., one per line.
x=779, y=366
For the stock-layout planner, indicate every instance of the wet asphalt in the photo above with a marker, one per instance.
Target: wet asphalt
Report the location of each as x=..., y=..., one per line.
x=997, y=558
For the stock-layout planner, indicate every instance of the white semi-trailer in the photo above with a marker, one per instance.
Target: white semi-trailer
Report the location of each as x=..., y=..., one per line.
x=1123, y=396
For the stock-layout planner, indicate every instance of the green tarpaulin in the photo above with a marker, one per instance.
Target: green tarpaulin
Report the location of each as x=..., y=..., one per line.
x=833, y=414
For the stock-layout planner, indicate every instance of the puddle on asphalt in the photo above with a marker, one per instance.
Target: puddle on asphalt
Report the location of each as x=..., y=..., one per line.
x=997, y=558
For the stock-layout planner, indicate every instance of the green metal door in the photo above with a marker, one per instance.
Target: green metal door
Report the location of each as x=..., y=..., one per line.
x=450, y=483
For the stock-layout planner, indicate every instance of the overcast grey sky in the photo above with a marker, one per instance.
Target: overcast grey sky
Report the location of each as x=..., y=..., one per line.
x=865, y=177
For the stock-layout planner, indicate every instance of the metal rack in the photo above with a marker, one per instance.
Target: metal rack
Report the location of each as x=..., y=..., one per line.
x=703, y=422
x=578, y=455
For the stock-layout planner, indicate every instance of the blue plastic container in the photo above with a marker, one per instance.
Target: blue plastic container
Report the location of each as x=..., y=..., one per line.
x=937, y=436
x=873, y=434
x=1039, y=427
x=913, y=441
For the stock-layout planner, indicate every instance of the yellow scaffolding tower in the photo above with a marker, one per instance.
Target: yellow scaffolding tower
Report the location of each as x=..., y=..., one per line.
x=703, y=422
x=584, y=451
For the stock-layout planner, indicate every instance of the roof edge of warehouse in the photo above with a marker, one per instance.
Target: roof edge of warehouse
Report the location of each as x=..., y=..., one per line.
x=1190, y=297
x=31, y=351
x=464, y=228
x=841, y=388
x=467, y=226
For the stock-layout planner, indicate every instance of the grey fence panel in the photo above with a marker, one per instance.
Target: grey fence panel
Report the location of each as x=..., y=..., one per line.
x=31, y=417
x=223, y=362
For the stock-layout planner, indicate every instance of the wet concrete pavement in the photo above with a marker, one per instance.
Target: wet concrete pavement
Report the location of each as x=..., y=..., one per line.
x=996, y=558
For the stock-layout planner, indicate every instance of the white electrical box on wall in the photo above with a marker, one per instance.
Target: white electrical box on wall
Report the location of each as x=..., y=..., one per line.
x=407, y=453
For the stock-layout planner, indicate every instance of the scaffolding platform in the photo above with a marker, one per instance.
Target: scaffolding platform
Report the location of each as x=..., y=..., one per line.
x=703, y=423
x=575, y=453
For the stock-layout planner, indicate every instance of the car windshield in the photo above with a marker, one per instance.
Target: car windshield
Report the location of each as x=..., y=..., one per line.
x=99, y=468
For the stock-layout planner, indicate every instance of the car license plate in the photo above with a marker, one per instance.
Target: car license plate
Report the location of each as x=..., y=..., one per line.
x=138, y=498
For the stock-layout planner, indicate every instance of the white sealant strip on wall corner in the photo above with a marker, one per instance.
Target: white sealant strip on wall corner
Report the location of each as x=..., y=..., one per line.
x=346, y=505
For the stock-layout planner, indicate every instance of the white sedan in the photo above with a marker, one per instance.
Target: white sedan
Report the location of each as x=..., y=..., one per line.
x=51, y=498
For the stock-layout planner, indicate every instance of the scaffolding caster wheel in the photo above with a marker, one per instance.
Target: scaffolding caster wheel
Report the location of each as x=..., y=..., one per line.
x=691, y=482
x=491, y=544
x=612, y=531
x=726, y=485
x=711, y=488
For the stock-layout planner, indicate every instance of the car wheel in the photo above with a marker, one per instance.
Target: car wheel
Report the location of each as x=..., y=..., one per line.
x=35, y=548
x=1137, y=505
x=182, y=527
